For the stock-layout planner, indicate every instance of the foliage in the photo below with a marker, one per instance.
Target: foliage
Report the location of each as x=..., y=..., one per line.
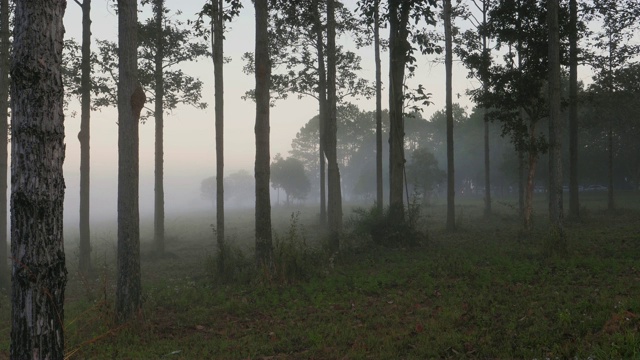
x=289, y=174
x=294, y=30
x=293, y=260
x=385, y=229
x=423, y=172
x=180, y=46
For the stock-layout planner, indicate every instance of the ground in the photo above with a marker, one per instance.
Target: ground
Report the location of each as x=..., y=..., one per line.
x=484, y=291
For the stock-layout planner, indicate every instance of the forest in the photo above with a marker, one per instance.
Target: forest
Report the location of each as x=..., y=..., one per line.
x=424, y=179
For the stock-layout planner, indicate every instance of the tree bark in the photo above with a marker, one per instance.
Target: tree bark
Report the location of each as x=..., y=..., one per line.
x=556, y=242
x=334, y=208
x=84, y=136
x=574, y=200
x=131, y=100
x=451, y=206
x=4, y=117
x=37, y=181
x=217, y=24
x=158, y=217
x=376, y=44
x=398, y=46
x=264, y=248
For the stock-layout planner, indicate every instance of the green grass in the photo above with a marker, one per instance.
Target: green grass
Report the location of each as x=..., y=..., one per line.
x=481, y=292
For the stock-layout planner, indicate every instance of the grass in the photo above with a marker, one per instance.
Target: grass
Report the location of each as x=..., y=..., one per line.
x=480, y=292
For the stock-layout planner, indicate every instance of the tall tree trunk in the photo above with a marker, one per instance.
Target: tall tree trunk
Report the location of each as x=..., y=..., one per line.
x=4, y=117
x=264, y=247
x=610, y=203
x=37, y=182
x=322, y=110
x=556, y=242
x=334, y=208
x=84, y=136
x=217, y=45
x=487, y=153
x=376, y=44
x=131, y=100
x=574, y=200
x=158, y=218
x=398, y=33
x=451, y=184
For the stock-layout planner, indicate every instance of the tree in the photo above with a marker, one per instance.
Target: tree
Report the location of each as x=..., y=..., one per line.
x=451, y=183
x=299, y=44
x=556, y=242
x=39, y=273
x=400, y=54
x=289, y=175
x=264, y=247
x=515, y=94
x=473, y=50
x=158, y=72
x=131, y=99
x=4, y=117
x=574, y=200
x=619, y=25
x=334, y=208
x=371, y=12
x=423, y=172
x=163, y=44
x=215, y=11
x=84, y=136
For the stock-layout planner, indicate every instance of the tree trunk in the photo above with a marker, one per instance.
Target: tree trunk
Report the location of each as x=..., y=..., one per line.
x=487, y=153
x=264, y=247
x=528, y=196
x=574, y=200
x=158, y=218
x=37, y=182
x=521, y=183
x=451, y=191
x=334, y=208
x=84, y=136
x=322, y=110
x=376, y=44
x=398, y=46
x=556, y=242
x=487, y=166
x=217, y=45
x=131, y=100
x=4, y=117
x=611, y=202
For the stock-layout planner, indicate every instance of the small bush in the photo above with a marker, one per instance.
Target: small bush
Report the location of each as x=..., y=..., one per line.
x=388, y=229
x=236, y=267
x=293, y=259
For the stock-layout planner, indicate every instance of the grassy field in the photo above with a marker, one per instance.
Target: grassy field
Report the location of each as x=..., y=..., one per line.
x=483, y=291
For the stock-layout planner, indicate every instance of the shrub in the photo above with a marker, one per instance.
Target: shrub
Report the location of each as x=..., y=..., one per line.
x=383, y=228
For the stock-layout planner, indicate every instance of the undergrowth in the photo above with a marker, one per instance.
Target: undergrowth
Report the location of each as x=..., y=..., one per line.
x=475, y=293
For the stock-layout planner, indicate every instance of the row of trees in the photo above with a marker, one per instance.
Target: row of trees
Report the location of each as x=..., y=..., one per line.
x=519, y=92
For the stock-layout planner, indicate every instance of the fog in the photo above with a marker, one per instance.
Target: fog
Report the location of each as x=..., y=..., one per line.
x=189, y=154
